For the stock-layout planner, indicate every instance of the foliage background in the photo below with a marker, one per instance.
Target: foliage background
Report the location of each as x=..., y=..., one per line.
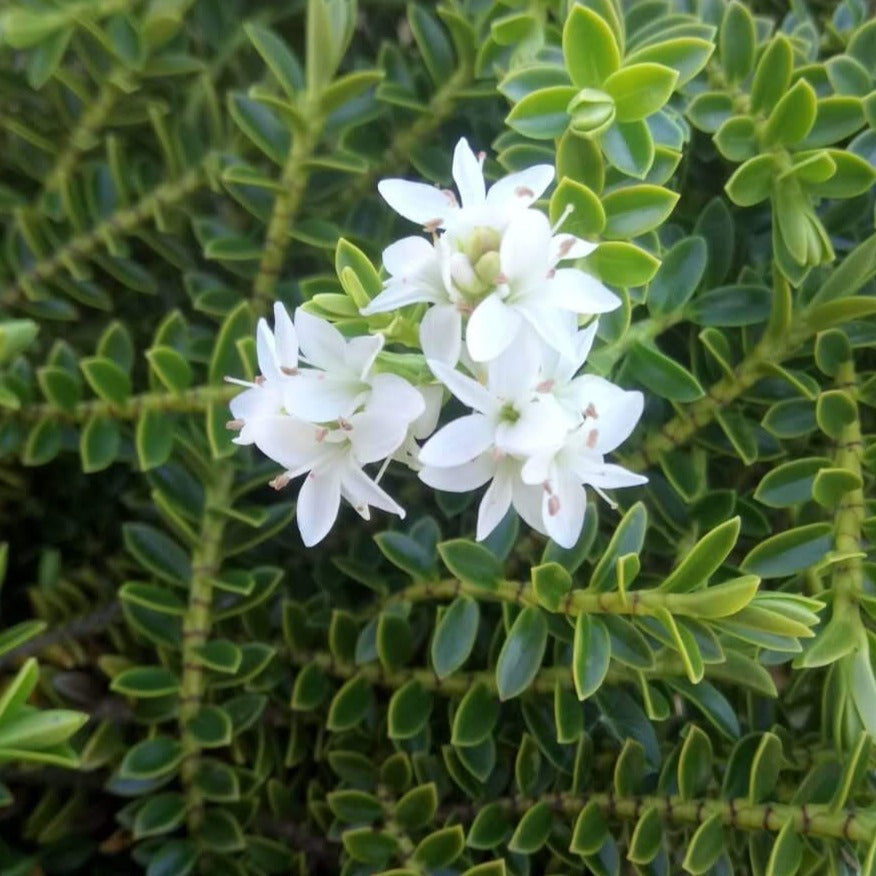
x=211, y=696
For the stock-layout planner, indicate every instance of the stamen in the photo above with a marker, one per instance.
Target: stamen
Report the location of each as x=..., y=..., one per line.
x=384, y=466
x=611, y=503
x=235, y=425
x=569, y=208
x=433, y=225
x=524, y=192
x=292, y=372
x=282, y=480
x=501, y=279
x=554, y=506
x=552, y=272
x=321, y=433
x=546, y=385
x=482, y=157
x=590, y=411
x=345, y=424
x=566, y=245
x=451, y=196
x=238, y=382
x=592, y=438
x=261, y=380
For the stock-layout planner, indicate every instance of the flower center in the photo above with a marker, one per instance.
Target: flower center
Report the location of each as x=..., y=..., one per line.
x=475, y=268
x=509, y=414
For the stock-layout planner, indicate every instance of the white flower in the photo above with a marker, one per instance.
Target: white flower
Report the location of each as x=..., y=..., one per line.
x=610, y=414
x=434, y=208
x=537, y=433
x=509, y=421
x=495, y=264
x=278, y=361
x=327, y=421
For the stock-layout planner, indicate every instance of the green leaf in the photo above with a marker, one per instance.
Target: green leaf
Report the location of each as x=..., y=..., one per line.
x=737, y=42
x=590, y=831
x=211, y=727
x=522, y=653
x=226, y=360
x=835, y=410
x=417, y=807
x=686, y=55
x=639, y=90
x=791, y=551
x=589, y=47
x=354, y=807
x=591, y=655
x=765, y=766
x=736, y=139
x=489, y=828
x=441, y=848
x=743, y=304
x=532, y=830
x=472, y=563
x=661, y=374
x=173, y=858
x=793, y=116
x=394, y=640
x=409, y=710
x=60, y=387
x=159, y=815
x=43, y=442
x=787, y=853
x=146, y=681
x=587, y=218
x=107, y=379
x=435, y=48
x=407, y=554
x=220, y=655
x=647, y=839
x=622, y=264
x=752, y=182
x=274, y=52
x=369, y=846
x=19, y=689
x=706, y=845
x=350, y=704
x=831, y=486
x=157, y=553
x=694, y=764
x=154, y=439
x=455, y=635
x=171, y=368
x=836, y=118
x=709, y=110
x=773, y=74
x=704, y=559
x=221, y=832
x=633, y=210
x=678, y=277
x=476, y=716
x=310, y=689
x=629, y=146
x=152, y=758
x=542, y=114
x=628, y=538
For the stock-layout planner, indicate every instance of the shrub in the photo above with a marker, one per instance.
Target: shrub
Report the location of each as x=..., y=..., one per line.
x=670, y=289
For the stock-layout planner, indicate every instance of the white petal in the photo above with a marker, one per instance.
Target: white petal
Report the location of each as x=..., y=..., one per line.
x=424, y=425
x=318, y=503
x=468, y=175
x=395, y=399
x=285, y=338
x=400, y=293
x=291, y=442
x=524, y=253
x=491, y=329
x=262, y=400
x=441, y=334
x=407, y=255
x=539, y=467
x=494, y=505
x=373, y=438
x=460, y=441
x=555, y=327
x=521, y=188
x=321, y=343
x=608, y=476
x=574, y=290
x=567, y=246
x=514, y=374
x=361, y=353
x=360, y=491
x=616, y=410
x=460, y=478
x=417, y=202
x=321, y=397
x=563, y=512
x=540, y=425
x=527, y=503
x=266, y=351
x=468, y=391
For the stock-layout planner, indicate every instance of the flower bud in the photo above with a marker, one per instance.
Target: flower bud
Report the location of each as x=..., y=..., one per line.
x=592, y=111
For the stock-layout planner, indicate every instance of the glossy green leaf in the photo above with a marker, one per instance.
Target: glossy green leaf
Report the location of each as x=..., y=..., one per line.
x=522, y=653
x=455, y=635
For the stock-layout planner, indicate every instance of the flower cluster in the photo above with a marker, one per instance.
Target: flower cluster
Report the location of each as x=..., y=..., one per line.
x=502, y=335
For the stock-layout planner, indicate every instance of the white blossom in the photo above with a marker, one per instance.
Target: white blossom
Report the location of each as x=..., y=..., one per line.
x=495, y=266
x=325, y=416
